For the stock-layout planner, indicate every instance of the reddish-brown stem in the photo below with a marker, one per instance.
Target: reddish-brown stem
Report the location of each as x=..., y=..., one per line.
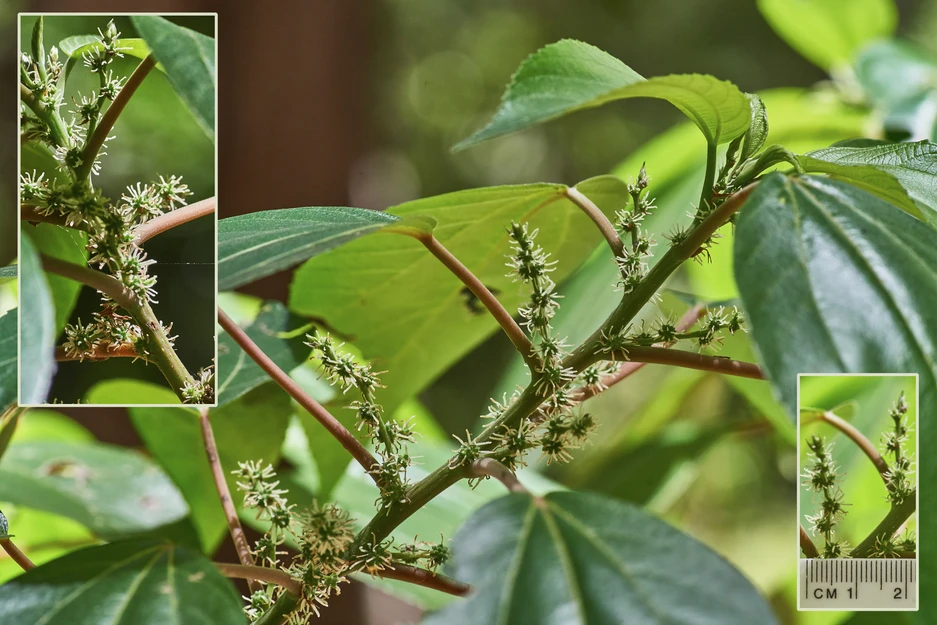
x=260, y=574
x=484, y=295
x=173, y=218
x=428, y=579
x=859, y=439
x=16, y=555
x=599, y=219
x=100, y=353
x=323, y=416
x=224, y=494
x=806, y=545
x=489, y=467
x=628, y=368
x=690, y=360
x=96, y=141
x=31, y=214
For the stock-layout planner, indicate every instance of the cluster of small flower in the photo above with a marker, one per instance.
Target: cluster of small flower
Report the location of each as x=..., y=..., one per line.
x=821, y=478
x=709, y=333
x=898, y=480
x=322, y=537
x=110, y=226
x=389, y=436
x=632, y=261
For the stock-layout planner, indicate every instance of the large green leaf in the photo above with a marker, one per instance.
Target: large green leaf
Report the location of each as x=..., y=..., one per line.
x=835, y=280
x=570, y=75
x=8, y=358
x=110, y=490
x=189, y=61
x=402, y=308
x=877, y=168
x=251, y=428
x=256, y=245
x=37, y=337
x=582, y=559
x=65, y=244
x=829, y=33
x=139, y=582
x=238, y=373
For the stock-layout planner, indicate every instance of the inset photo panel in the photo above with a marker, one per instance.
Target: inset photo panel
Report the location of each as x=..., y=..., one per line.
x=117, y=189
x=858, y=495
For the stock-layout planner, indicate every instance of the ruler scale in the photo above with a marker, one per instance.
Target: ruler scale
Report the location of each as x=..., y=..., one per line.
x=858, y=584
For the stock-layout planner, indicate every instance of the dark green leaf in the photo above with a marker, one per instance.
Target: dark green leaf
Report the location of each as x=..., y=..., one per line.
x=407, y=311
x=238, y=373
x=37, y=337
x=189, y=61
x=256, y=245
x=141, y=582
x=570, y=75
x=111, y=490
x=251, y=428
x=829, y=33
x=8, y=359
x=913, y=166
x=835, y=280
x=576, y=558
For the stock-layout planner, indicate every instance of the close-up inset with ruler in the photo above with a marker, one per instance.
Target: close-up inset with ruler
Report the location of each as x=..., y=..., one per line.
x=858, y=534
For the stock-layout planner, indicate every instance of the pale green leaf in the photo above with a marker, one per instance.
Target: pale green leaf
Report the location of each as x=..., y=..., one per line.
x=829, y=33
x=111, y=490
x=570, y=75
x=402, y=306
x=258, y=244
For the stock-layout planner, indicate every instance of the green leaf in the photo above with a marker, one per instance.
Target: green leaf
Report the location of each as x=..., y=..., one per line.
x=189, y=61
x=8, y=273
x=111, y=490
x=238, y=373
x=140, y=582
x=402, y=306
x=852, y=289
x=576, y=558
x=40, y=424
x=251, y=428
x=115, y=392
x=8, y=358
x=76, y=47
x=569, y=76
x=37, y=338
x=829, y=33
x=879, y=168
x=65, y=244
x=256, y=245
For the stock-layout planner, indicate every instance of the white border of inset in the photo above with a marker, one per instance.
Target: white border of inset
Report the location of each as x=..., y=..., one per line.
x=19, y=304
x=917, y=454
